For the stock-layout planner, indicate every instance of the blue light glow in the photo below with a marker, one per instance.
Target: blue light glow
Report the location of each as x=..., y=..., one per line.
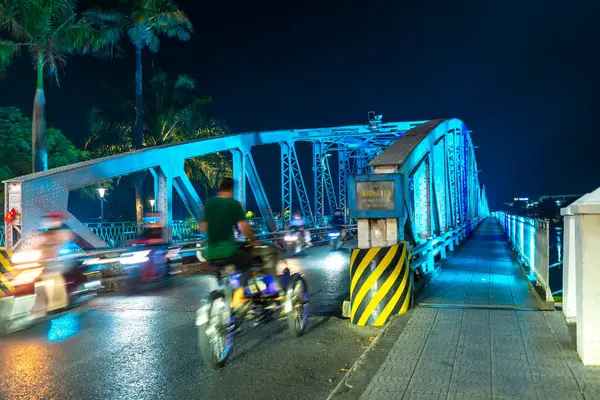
x=521, y=234
x=64, y=327
x=532, y=248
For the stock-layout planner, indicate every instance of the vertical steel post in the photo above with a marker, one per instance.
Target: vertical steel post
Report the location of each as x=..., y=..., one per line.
x=239, y=179
x=286, y=185
x=319, y=179
x=164, y=201
x=343, y=172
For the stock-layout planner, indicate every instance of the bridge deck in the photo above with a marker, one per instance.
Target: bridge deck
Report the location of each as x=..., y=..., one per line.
x=483, y=272
x=498, y=352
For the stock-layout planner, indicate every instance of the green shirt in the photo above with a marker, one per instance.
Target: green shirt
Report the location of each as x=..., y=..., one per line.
x=221, y=214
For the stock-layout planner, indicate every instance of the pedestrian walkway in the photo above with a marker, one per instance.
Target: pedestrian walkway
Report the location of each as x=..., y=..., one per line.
x=471, y=352
x=483, y=272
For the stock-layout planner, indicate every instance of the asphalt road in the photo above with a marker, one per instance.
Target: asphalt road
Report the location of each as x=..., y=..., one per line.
x=145, y=347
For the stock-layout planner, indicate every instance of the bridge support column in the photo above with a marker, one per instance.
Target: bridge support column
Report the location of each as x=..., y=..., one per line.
x=164, y=200
x=239, y=176
x=380, y=232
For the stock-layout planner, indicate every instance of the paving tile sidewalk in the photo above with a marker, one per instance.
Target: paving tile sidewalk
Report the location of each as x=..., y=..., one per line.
x=483, y=271
x=484, y=354
x=497, y=352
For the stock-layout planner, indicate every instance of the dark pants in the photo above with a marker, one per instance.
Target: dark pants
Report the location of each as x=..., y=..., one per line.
x=267, y=257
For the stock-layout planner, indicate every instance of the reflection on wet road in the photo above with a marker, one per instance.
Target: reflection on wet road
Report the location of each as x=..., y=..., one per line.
x=145, y=346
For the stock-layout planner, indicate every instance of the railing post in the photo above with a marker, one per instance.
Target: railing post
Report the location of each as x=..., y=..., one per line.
x=587, y=237
x=569, y=266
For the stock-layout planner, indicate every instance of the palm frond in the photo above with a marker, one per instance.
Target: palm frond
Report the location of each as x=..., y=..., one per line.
x=8, y=50
x=185, y=81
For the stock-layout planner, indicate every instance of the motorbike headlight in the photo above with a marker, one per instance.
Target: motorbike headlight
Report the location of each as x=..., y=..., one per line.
x=333, y=234
x=29, y=256
x=290, y=238
x=136, y=257
x=27, y=276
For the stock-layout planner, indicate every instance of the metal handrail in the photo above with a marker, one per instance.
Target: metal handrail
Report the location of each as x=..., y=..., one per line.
x=189, y=245
x=425, y=252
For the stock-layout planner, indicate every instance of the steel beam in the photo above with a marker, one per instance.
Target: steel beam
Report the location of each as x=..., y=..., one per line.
x=298, y=179
x=319, y=183
x=259, y=191
x=439, y=185
x=343, y=173
x=422, y=200
x=286, y=184
x=164, y=201
x=239, y=179
x=328, y=182
x=188, y=195
x=451, y=170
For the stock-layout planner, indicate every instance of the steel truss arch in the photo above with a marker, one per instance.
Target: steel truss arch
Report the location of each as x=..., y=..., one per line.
x=441, y=181
x=33, y=195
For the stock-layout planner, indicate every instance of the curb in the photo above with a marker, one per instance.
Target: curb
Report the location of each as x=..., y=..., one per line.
x=542, y=305
x=359, y=376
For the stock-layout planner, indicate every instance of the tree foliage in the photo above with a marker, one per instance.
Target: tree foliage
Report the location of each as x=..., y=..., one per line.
x=144, y=20
x=15, y=151
x=50, y=30
x=173, y=114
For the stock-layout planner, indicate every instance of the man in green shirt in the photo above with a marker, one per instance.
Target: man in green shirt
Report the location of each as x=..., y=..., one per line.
x=221, y=214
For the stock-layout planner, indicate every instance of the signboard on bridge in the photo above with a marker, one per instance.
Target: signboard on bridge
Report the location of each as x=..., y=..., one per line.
x=376, y=196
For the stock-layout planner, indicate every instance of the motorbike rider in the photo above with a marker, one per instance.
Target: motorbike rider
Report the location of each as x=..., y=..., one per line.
x=153, y=236
x=55, y=234
x=338, y=222
x=221, y=214
x=297, y=225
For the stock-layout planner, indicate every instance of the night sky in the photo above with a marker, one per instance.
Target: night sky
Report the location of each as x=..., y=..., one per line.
x=523, y=76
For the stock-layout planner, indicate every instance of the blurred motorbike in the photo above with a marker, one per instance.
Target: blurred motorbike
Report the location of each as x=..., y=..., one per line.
x=293, y=243
x=335, y=238
x=149, y=263
x=46, y=286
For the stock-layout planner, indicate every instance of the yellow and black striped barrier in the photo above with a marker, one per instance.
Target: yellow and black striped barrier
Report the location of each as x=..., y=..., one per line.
x=6, y=289
x=380, y=284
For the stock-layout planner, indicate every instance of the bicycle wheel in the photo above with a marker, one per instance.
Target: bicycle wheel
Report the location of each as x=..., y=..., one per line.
x=215, y=330
x=296, y=304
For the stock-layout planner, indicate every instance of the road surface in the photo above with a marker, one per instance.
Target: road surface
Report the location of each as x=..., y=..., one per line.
x=145, y=347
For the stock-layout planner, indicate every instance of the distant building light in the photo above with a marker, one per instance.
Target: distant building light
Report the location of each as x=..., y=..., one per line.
x=521, y=199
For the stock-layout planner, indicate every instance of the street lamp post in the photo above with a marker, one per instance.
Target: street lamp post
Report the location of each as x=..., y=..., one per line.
x=101, y=192
x=152, y=203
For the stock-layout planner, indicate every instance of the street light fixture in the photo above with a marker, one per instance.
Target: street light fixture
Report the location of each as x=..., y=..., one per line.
x=101, y=192
x=152, y=203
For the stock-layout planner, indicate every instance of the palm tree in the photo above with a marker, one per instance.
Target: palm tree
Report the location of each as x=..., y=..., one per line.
x=50, y=30
x=143, y=21
x=173, y=115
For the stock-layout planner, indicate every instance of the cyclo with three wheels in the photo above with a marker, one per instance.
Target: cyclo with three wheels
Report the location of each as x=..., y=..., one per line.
x=217, y=322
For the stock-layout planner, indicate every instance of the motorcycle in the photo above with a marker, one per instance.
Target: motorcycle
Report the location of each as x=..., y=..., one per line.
x=293, y=243
x=149, y=264
x=217, y=323
x=335, y=238
x=42, y=287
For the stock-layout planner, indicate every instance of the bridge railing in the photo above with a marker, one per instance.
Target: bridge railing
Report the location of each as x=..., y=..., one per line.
x=530, y=239
x=118, y=233
x=423, y=256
